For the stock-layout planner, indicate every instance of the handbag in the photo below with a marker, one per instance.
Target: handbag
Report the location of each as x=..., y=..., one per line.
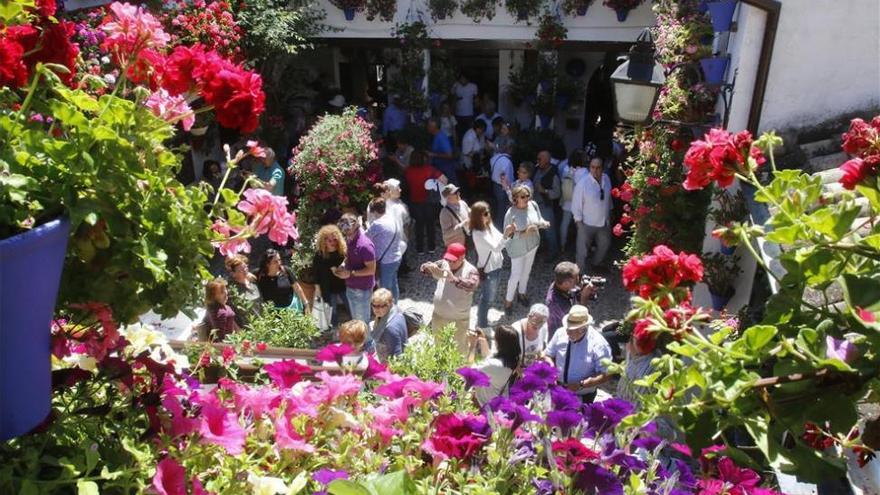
x=322, y=312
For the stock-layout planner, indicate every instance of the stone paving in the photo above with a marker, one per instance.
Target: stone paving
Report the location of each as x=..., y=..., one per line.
x=417, y=290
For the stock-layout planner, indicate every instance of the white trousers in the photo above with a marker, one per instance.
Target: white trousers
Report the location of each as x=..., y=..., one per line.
x=520, y=269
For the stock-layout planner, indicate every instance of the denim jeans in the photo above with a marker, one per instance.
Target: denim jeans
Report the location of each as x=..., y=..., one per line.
x=485, y=295
x=335, y=300
x=586, y=235
x=550, y=236
x=359, y=303
x=388, y=278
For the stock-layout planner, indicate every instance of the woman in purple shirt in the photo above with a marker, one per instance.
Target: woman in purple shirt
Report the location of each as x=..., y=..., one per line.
x=219, y=316
x=359, y=269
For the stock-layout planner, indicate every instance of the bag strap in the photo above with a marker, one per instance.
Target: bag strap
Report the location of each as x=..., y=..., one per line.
x=457, y=218
x=567, y=362
x=396, y=231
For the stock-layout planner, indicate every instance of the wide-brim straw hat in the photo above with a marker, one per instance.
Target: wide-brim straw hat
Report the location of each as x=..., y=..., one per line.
x=578, y=316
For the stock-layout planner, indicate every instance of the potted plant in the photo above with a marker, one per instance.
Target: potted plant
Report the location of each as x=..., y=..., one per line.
x=730, y=209
x=383, y=9
x=478, y=10
x=441, y=9
x=720, y=273
x=522, y=10
x=551, y=32
x=714, y=68
x=622, y=7
x=522, y=85
x=576, y=7
x=350, y=7
x=568, y=90
x=721, y=13
x=409, y=86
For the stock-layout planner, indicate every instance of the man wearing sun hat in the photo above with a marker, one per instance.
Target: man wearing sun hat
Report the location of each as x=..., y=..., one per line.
x=456, y=281
x=578, y=352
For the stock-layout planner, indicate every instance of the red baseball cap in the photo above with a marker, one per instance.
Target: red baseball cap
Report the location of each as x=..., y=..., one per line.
x=454, y=252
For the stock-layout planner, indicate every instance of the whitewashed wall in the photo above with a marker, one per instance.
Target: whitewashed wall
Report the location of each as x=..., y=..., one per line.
x=600, y=24
x=826, y=62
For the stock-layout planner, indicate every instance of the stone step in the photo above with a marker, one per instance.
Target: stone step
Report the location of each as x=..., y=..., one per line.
x=819, y=148
x=830, y=175
x=827, y=162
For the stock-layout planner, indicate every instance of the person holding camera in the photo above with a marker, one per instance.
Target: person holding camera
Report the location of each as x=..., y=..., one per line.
x=577, y=353
x=489, y=244
x=456, y=282
x=565, y=292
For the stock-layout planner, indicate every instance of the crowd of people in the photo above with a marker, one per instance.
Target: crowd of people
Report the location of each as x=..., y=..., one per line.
x=528, y=206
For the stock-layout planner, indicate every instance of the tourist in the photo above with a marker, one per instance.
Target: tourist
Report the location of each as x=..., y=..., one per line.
x=533, y=334
x=389, y=190
x=448, y=123
x=454, y=216
x=488, y=116
x=424, y=210
x=359, y=269
x=219, y=316
x=387, y=236
x=244, y=287
x=442, y=154
x=270, y=174
x=571, y=172
x=394, y=118
x=501, y=367
x=522, y=222
x=489, y=244
x=330, y=250
x=547, y=193
x=354, y=333
x=577, y=352
x=464, y=92
x=388, y=329
x=456, y=281
x=473, y=147
x=523, y=178
x=277, y=284
x=402, y=151
x=500, y=127
x=565, y=291
x=590, y=208
x=501, y=166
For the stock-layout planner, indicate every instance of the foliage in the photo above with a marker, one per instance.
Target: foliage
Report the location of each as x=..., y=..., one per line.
x=551, y=31
x=793, y=380
x=441, y=9
x=431, y=357
x=523, y=9
x=275, y=27
x=478, y=10
x=571, y=7
x=441, y=77
x=278, y=328
x=209, y=23
x=409, y=86
x=333, y=165
x=383, y=9
x=355, y=5
x=522, y=85
x=721, y=273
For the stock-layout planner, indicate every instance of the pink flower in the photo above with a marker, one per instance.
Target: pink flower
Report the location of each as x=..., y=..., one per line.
x=228, y=355
x=336, y=386
x=617, y=230
x=374, y=368
x=171, y=109
x=221, y=427
x=269, y=215
x=230, y=245
x=866, y=316
x=654, y=181
x=287, y=373
x=287, y=438
x=334, y=352
x=132, y=29
x=855, y=172
x=254, y=149
x=170, y=478
x=256, y=400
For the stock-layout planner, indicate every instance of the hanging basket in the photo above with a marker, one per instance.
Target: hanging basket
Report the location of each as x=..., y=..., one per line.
x=714, y=68
x=349, y=14
x=622, y=14
x=30, y=273
x=721, y=12
x=719, y=302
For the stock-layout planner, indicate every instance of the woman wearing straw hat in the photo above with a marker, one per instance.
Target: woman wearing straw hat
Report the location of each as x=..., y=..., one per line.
x=578, y=352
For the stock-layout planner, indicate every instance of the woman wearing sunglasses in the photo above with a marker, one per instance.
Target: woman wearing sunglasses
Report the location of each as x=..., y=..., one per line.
x=522, y=223
x=591, y=208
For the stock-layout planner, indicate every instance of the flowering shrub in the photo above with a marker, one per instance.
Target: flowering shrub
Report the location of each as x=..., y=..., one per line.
x=210, y=24
x=551, y=32
x=333, y=164
x=720, y=157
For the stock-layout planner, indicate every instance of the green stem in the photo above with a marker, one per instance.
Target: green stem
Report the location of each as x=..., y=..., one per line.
x=31, y=90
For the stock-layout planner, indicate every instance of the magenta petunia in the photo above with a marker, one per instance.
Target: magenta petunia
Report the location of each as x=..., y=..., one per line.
x=287, y=438
x=333, y=353
x=843, y=350
x=286, y=373
x=170, y=478
x=221, y=427
x=335, y=386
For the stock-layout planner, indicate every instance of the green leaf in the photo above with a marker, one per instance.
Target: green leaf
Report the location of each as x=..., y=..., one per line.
x=28, y=487
x=862, y=292
x=833, y=222
x=873, y=196
x=87, y=488
x=346, y=487
x=759, y=336
x=396, y=483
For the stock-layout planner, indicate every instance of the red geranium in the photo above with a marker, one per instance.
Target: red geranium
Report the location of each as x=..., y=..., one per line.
x=242, y=109
x=146, y=69
x=51, y=44
x=815, y=437
x=572, y=454
x=13, y=71
x=718, y=158
x=662, y=270
x=862, y=139
x=181, y=68
x=857, y=170
x=643, y=337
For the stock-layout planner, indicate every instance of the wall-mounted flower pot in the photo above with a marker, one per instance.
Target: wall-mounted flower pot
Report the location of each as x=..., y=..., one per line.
x=703, y=6
x=349, y=14
x=545, y=121
x=30, y=273
x=719, y=302
x=714, y=68
x=721, y=12
x=727, y=250
x=622, y=14
x=582, y=11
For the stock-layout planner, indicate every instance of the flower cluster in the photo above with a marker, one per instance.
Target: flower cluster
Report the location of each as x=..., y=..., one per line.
x=551, y=32
x=211, y=24
x=267, y=215
x=661, y=272
x=718, y=157
x=862, y=141
x=41, y=40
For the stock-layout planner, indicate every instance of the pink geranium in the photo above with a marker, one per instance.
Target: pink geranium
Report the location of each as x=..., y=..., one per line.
x=131, y=28
x=268, y=215
x=231, y=243
x=221, y=427
x=170, y=478
x=255, y=150
x=171, y=109
x=286, y=373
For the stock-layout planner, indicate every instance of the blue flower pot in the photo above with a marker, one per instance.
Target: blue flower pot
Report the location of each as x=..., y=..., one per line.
x=714, y=68
x=622, y=14
x=719, y=302
x=727, y=250
x=582, y=11
x=30, y=273
x=703, y=7
x=721, y=12
x=545, y=121
x=562, y=101
x=349, y=14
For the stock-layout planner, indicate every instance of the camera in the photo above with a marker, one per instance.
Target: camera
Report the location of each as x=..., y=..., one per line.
x=593, y=281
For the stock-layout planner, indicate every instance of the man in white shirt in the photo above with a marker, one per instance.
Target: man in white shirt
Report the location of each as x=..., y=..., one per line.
x=465, y=92
x=473, y=145
x=489, y=114
x=501, y=166
x=590, y=208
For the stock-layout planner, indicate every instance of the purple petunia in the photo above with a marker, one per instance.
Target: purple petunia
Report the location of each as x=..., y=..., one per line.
x=543, y=370
x=326, y=476
x=517, y=413
x=565, y=420
x=474, y=377
x=607, y=414
x=530, y=384
x=593, y=478
x=543, y=487
x=564, y=399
